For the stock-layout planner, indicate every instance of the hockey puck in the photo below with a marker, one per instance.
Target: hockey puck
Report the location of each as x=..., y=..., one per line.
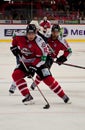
x=47, y=106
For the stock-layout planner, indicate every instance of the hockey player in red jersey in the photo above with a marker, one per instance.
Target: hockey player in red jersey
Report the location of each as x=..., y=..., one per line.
x=45, y=23
x=33, y=52
x=45, y=27
x=56, y=45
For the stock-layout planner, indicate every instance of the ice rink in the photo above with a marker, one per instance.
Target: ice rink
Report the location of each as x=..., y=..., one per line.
x=16, y=116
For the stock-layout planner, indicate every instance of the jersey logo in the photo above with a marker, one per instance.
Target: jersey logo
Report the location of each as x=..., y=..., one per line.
x=29, y=45
x=45, y=48
x=26, y=51
x=55, y=44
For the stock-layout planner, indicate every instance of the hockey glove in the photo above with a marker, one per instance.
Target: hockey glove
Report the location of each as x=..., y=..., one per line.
x=61, y=60
x=31, y=71
x=15, y=50
x=49, y=61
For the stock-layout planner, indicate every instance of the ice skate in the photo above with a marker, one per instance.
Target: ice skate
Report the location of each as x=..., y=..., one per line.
x=28, y=100
x=12, y=89
x=66, y=99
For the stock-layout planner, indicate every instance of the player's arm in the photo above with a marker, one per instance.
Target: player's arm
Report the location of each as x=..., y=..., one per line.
x=14, y=48
x=67, y=51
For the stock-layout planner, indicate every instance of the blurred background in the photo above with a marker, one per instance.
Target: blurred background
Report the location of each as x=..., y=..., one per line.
x=64, y=11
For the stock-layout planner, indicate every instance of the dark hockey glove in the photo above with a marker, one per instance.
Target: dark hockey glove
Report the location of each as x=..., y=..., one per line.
x=15, y=50
x=61, y=60
x=31, y=71
x=49, y=61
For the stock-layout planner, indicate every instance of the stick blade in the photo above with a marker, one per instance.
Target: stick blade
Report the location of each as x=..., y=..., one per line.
x=47, y=106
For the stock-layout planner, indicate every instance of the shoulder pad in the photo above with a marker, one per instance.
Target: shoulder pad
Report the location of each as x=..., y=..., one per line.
x=39, y=39
x=64, y=42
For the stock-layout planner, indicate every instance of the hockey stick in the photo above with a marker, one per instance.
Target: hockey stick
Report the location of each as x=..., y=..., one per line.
x=47, y=105
x=81, y=67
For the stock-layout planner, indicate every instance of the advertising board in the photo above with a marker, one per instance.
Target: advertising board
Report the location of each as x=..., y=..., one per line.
x=72, y=33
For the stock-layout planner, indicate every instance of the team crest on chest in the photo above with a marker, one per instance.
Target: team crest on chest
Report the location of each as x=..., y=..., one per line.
x=55, y=44
x=29, y=45
x=26, y=51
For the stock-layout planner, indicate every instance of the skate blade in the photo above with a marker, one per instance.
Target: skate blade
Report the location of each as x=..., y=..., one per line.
x=10, y=94
x=29, y=103
x=69, y=102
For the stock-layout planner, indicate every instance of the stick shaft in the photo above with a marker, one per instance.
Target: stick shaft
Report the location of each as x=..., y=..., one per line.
x=81, y=67
x=40, y=91
x=72, y=65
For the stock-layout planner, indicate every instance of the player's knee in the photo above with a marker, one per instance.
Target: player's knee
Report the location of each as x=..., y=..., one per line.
x=14, y=76
x=17, y=75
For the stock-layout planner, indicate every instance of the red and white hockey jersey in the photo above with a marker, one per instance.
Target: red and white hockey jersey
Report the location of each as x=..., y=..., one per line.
x=32, y=51
x=59, y=45
x=45, y=24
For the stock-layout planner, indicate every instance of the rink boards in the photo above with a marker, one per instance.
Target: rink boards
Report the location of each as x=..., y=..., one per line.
x=72, y=33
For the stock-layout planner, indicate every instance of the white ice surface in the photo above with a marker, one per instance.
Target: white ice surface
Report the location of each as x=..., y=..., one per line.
x=15, y=116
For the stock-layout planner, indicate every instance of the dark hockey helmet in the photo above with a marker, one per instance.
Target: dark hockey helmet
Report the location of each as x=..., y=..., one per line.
x=55, y=27
x=31, y=28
